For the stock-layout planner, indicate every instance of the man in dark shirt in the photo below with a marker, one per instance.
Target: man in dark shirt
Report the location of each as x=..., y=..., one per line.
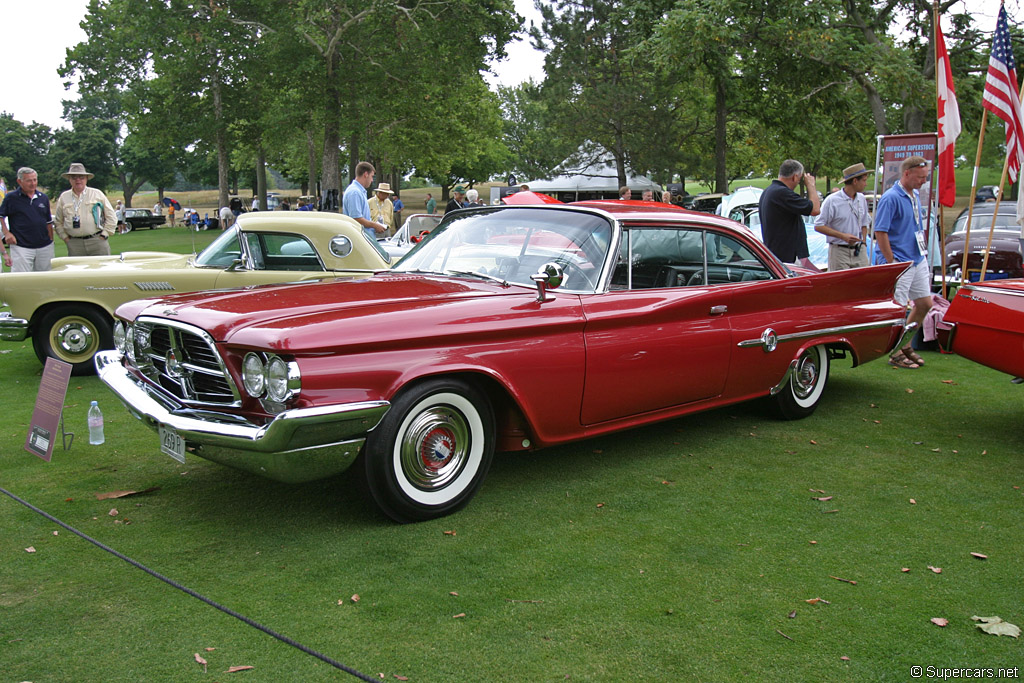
x=26, y=224
x=781, y=209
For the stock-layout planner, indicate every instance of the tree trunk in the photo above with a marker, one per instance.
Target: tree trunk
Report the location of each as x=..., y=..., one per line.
x=721, y=117
x=220, y=139
x=261, y=177
x=311, y=161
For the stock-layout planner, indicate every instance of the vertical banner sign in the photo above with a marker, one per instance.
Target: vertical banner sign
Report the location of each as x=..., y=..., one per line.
x=896, y=148
x=49, y=404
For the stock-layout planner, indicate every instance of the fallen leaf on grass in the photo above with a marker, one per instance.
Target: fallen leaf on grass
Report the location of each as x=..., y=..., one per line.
x=200, y=660
x=913, y=502
x=849, y=581
x=600, y=505
x=450, y=532
x=813, y=442
x=791, y=615
x=948, y=381
x=937, y=570
x=125, y=494
x=979, y=556
x=910, y=391
x=355, y=598
x=844, y=658
x=813, y=542
x=113, y=512
x=460, y=615
x=30, y=549
x=401, y=678
x=56, y=533
x=823, y=499
x=453, y=593
x=816, y=491
x=905, y=569
x=236, y=669
x=939, y=621
x=815, y=601
x=997, y=627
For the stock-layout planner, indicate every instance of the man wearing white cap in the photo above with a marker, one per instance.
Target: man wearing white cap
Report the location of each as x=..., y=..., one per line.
x=844, y=220
x=381, y=209
x=84, y=218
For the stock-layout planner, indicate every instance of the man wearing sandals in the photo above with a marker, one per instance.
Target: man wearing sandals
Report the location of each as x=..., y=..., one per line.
x=899, y=237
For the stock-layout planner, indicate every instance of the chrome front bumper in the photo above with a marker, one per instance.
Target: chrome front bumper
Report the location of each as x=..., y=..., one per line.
x=297, y=445
x=12, y=329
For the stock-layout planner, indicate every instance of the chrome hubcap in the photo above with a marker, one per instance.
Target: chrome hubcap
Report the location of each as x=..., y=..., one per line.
x=435, y=448
x=806, y=375
x=73, y=337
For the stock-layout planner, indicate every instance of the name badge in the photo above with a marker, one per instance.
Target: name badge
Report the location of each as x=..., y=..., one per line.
x=922, y=243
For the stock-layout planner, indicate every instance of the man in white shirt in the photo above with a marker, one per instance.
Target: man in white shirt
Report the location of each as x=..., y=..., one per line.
x=844, y=220
x=84, y=218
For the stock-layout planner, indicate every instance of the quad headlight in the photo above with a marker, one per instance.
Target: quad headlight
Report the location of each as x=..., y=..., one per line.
x=119, y=336
x=273, y=377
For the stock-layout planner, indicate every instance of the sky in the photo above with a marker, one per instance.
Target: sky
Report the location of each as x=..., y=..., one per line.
x=41, y=52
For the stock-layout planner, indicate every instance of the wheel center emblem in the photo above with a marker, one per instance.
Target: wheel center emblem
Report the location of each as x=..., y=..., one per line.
x=437, y=449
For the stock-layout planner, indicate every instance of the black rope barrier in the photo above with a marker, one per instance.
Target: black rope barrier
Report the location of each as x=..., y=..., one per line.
x=185, y=589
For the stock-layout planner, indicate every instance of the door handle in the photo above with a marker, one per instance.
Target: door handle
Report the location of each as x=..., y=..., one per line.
x=719, y=310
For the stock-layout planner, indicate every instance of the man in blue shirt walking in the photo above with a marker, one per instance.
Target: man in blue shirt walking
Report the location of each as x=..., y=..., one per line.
x=899, y=237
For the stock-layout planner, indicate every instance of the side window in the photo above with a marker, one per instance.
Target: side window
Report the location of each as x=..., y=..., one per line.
x=276, y=251
x=730, y=261
x=659, y=257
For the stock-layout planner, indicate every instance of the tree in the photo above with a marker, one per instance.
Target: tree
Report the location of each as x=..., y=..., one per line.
x=22, y=145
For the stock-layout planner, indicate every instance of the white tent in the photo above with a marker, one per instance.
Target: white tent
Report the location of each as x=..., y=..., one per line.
x=598, y=180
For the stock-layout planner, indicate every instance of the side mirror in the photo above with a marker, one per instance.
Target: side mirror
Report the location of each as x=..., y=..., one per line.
x=550, y=276
x=236, y=266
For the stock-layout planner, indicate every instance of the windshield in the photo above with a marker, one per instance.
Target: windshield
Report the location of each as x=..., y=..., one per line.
x=984, y=222
x=222, y=251
x=511, y=244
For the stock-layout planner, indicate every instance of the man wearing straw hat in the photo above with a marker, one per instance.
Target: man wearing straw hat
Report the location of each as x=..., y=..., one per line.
x=381, y=208
x=84, y=218
x=844, y=220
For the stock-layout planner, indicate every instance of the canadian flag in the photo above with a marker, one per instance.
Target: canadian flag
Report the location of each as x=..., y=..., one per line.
x=949, y=121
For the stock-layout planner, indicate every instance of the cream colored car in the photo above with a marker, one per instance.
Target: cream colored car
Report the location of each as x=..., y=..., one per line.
x=68, y=310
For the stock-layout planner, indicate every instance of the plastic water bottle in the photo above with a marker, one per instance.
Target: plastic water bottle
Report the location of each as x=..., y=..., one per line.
x=95, y=424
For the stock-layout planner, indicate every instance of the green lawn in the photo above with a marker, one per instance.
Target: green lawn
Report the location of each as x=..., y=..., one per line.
x=682, y=551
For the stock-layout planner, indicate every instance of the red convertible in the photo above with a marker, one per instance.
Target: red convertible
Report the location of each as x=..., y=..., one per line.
x=508, y=328
x=987, y=321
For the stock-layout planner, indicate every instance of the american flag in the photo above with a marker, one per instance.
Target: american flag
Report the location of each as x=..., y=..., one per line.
x=1001, y=97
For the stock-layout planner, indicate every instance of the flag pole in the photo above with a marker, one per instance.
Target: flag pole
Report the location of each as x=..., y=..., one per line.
x=938, y=185
x=995, y=211
x=974, y=191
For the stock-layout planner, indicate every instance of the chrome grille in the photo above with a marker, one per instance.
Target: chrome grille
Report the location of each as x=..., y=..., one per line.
x=183, y=360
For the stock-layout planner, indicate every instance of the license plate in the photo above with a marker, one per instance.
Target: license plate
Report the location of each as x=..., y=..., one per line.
x=172, y=444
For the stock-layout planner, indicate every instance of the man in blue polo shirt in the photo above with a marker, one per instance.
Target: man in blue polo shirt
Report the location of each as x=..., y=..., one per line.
x=355, y=204
x=26, y=224
x=899, y=237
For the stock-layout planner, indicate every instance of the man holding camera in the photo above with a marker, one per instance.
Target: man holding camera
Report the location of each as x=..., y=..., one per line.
x=84, y=218
x=782, y=211
x=844, y=220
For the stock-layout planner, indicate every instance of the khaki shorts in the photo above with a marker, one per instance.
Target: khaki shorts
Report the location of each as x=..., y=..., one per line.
x=915, y=283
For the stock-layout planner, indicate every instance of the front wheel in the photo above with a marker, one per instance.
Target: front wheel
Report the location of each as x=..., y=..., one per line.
x=73, y=334
x=431, y=452
x=800, y=396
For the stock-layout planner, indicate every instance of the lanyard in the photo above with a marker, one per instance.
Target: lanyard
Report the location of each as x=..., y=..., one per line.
x=914, y=204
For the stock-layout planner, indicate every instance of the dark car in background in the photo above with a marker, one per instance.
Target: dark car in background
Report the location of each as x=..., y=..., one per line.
x=136, y=219
x=1004, y=259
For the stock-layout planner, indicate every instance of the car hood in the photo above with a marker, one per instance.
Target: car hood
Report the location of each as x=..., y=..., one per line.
x=305, y=315
x=130, y=260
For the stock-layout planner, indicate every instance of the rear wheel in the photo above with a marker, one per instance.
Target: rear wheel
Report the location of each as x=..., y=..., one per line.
x=73, y=334
x=431, y=452
x=802, y=392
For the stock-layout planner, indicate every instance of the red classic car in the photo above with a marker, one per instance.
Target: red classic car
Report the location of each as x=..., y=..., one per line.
x=508, y=328
x=987, y=321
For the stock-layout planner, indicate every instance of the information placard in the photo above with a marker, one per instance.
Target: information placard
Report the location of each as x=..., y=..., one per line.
x=45, y=424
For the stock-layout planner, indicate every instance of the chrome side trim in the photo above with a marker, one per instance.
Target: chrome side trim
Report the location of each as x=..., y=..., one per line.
x=825, y=331
x=990, y=290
